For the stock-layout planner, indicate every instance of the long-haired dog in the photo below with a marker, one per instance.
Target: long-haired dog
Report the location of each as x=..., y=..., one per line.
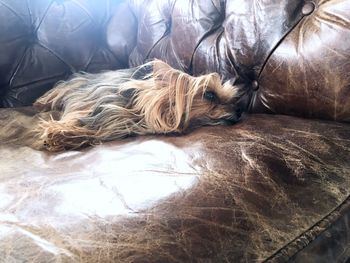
x=150, y=99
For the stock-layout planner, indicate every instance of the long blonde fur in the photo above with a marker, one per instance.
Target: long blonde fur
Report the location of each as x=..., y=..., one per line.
x=115, y=104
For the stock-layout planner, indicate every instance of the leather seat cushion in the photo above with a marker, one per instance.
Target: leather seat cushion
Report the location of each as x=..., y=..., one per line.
x=265, y=188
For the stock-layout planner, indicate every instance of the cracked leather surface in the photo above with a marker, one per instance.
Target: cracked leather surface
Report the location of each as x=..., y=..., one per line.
x=42, y=43
x=262, y=189
x=308, y=73
x=272, y=188
x=299, y=59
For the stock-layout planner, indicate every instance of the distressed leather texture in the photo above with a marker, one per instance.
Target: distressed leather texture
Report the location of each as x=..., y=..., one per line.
x=273, y=188
x=265, y=189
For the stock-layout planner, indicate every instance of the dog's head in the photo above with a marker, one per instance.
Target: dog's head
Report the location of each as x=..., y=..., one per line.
x=178, y=101
x=214, y=102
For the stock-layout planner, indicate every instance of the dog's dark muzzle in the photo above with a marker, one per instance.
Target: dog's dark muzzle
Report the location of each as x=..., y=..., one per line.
x=237, y=111
x=246, y=88
x=240, y=107
x=234, y=118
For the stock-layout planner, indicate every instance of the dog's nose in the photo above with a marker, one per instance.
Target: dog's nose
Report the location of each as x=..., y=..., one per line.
x=238, y=112
x=232, y=119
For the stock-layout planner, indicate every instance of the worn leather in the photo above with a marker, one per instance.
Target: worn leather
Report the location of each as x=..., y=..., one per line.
x=271, y=188
x=308, y=73
x=237, y=193
x=42, y=42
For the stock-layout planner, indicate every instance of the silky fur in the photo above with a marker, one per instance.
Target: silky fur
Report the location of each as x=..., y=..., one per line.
x=101, y=107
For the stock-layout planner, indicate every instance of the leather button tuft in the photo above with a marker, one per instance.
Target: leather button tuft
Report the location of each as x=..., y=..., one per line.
x=255, y=85
x=168, y=27
x=308, y=8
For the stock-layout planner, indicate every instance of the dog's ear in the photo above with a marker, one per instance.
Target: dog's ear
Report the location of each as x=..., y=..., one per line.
x=169, y=100
x=160, y=66
x=163, y=72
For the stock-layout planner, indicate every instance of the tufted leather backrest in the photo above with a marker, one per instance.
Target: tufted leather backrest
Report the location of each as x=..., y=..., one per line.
x=298, y=51
x=308, y=73
x=43, y=41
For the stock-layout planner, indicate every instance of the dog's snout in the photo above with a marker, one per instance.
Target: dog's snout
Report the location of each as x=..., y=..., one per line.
x=238, y=112
x=231, y=120
x=242, y=104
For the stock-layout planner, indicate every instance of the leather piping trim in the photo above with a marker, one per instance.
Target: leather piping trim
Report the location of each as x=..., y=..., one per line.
x=323, y=224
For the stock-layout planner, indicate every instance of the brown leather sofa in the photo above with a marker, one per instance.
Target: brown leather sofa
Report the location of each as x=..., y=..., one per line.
x=274, y=187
